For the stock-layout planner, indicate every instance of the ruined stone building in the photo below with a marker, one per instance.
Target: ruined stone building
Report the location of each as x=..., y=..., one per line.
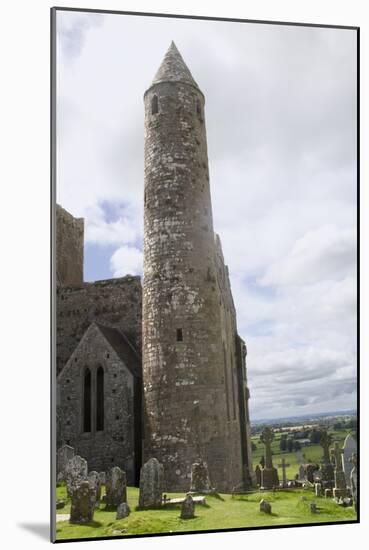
x=158, y=370
x=98, y=358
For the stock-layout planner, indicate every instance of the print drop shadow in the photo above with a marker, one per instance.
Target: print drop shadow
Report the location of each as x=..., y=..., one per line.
x=42, y=530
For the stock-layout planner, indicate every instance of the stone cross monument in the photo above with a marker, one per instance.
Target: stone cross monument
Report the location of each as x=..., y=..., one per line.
x=326, y=466
x=325, y=443
x=269, y=474
x=339, y=489
x=266, y=438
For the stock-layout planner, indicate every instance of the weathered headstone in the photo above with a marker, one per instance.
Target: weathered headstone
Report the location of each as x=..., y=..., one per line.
x=317, y=476
x=200, y=481
x=115, y=487
x=310, y=469
x=353, y=480
x=188, y=508
x=83, y=503
x=340, y=489
x=151, y=484
x=325, y=442
x=318, y=489
x=269, y=474
x=75, y=472
x=102, y=477
x=313, y=508
x=94, y=479
x=123, y=511
x=349, y=447
x=284, y=466
x=265, y=506
x=65, y=453
x=326, y=468
x=258, y=475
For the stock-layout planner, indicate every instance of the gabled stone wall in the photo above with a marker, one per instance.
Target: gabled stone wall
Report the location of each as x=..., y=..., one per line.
x=115, y=302
x=114, y=445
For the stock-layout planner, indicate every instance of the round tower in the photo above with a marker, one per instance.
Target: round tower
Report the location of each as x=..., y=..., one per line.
x=183, y=348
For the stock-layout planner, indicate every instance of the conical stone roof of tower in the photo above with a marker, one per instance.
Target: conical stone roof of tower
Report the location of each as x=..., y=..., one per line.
x=174, y=69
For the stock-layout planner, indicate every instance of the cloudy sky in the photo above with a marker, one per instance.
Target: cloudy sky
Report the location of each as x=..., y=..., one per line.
x=281, y=126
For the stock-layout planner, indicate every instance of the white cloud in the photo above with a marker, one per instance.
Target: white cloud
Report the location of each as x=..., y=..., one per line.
x=327, y=252
x=126, y=260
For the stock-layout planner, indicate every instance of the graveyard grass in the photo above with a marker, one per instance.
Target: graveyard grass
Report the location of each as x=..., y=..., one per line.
x=220, y=512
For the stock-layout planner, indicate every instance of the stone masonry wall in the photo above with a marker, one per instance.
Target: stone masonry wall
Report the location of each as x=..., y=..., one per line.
x=69, y=248
x=234, y=386
x=183, y=330
x=114, y=445
x=115, y=302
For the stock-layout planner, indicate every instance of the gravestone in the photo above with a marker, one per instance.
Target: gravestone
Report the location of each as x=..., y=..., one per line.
x=318, y=489
x=102, y=477
x=115, y=487
x=65, y=453
x=94, y=479
x=310, y=469
x=269, y=474
x=353, y=479
x=200, y=481
x=349, y=447
x=317, y=476
x=123, y=511
x=265, y=507
x=327, y=471
x=258, y=475
x=83, y=503
x=151, y=484
x=313, y=508
x=188, y=508
x=75, y=472
x=284, y=466
x=340, y=489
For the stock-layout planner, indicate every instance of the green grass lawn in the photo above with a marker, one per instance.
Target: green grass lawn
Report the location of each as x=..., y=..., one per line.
x=220, y=513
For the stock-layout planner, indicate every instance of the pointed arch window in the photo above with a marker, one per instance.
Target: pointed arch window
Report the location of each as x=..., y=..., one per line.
x=100, y=399
x=154, y=105
x=87, y=401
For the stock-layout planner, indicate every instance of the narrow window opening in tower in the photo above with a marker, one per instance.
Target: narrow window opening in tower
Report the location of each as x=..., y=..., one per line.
x=154, y=105
x=179, y=335
x=87, y=401
x=100, y=399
